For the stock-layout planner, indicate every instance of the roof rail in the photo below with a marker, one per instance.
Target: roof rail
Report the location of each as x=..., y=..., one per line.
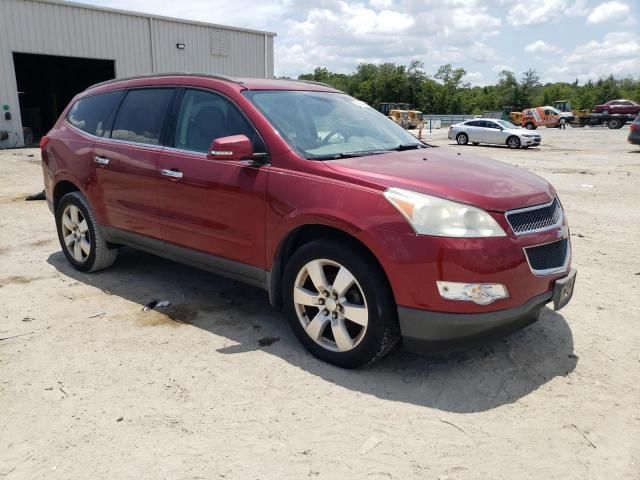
x=314, y=83
x=168, y=74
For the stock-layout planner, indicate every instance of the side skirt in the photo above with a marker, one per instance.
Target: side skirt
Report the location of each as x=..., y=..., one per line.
x=232, y=269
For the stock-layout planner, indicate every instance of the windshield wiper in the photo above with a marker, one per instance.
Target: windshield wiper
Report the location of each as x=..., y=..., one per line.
x=337, y=156
x=409, y=146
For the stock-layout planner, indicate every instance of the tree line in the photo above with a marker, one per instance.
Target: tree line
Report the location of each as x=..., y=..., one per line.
x=447, y=91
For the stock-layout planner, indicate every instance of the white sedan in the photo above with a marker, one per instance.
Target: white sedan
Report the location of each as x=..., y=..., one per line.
x=497, y=132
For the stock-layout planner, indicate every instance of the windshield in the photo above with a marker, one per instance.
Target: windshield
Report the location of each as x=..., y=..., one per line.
x=505, y=124
x=326, y=125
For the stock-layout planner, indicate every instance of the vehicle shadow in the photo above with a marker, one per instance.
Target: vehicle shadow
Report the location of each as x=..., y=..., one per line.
x=479, y=379
x=486, y=145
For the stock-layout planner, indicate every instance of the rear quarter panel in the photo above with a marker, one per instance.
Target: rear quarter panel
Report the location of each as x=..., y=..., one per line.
x=69, y=158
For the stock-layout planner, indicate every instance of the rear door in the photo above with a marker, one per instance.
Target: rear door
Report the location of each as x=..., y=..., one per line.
x=127, y=181
x=473, y=131
x=213, y=210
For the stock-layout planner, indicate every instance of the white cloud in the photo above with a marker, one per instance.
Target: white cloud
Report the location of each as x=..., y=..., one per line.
x=617, y=53
x=475, y=78
x=500, y=68
x=525, y=12
x=540, y=46
x=609, y=12
x=340, y=34
x=381, y=4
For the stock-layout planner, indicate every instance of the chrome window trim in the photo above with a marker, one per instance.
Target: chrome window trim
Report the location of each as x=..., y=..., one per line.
x=195, y=153
x=550, y=271
x=115, y=140
x=536, y=207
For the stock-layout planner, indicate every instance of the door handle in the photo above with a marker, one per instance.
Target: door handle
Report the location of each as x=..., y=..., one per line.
x=101, y=160
x=171, y=173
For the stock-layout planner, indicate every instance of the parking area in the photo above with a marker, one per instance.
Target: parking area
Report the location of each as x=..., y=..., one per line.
x=216, y=386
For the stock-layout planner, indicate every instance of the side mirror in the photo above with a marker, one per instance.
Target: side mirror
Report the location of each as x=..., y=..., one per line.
x=235, y=147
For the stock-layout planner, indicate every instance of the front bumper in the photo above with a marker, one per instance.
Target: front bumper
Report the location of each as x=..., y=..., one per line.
x=424, y=331
x=530, y=141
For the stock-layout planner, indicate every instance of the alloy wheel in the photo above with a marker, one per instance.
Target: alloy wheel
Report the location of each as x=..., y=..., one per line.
x=330, y=305
x=75, y=232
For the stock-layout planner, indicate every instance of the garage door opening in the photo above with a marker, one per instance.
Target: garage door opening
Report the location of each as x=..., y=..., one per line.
x=46, y=84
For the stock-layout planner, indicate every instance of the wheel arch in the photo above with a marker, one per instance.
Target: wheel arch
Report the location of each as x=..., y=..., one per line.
x=301, y=235
x=512, y=136
x=62, y=188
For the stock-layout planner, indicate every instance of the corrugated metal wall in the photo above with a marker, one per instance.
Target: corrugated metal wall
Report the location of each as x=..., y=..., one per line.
x=138, y=44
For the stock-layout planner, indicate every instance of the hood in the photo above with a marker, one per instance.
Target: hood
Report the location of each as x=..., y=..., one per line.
x=520, y=131
x=485, y=183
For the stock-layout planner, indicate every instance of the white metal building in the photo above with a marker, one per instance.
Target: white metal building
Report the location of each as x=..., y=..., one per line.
x=50, y=50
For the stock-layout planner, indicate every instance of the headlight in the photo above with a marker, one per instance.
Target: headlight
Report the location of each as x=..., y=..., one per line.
x=442, y=218
x=528, y=136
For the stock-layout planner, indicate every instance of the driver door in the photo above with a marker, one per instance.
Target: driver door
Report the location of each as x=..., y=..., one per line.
x=494, y=133
x=213, y=211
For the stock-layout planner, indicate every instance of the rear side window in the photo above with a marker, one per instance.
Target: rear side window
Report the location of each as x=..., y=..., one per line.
x=141, y=115
x=94, y=114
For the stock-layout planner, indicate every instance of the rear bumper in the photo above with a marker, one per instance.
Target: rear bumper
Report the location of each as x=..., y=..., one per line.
x=424, y=331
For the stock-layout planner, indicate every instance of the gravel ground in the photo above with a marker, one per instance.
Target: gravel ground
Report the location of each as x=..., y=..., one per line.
x=93, y=387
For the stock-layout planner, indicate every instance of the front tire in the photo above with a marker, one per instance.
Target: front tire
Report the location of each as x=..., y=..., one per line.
x=80, y=238
x=462, y=139
x=339, y=304
x=513, y=142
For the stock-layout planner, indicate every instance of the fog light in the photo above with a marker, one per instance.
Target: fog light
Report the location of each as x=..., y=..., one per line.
x=480, y=293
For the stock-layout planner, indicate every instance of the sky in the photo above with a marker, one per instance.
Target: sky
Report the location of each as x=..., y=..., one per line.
x=563, y=40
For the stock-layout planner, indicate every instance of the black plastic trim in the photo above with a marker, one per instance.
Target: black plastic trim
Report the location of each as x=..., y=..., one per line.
x=219, y=265
x=425, y=331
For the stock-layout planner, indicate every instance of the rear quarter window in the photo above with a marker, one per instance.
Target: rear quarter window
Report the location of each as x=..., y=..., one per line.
x=93, y=114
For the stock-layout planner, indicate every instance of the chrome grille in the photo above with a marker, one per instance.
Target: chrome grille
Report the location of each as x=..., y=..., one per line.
x=548, y=258
x=535, y=219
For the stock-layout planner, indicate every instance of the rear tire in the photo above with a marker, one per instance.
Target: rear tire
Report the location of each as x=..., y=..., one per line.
x=462, y=139
x=614, y=123
x=80, y=238
x=530, y=126
x=605, y=113
x=350, y=286
x=513, y=142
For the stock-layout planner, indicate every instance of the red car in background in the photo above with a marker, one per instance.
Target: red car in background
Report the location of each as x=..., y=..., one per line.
x=626, y=107
x=361, y=232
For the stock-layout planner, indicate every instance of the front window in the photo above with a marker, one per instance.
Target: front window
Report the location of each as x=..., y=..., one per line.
x=205, y=116
x=325, y=125
x=505, y=124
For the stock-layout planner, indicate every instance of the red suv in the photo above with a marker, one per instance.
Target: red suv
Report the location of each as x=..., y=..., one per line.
x=626, y=107
x=362, y=233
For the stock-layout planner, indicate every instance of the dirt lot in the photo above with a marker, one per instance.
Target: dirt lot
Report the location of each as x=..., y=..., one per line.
x=93, y=387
